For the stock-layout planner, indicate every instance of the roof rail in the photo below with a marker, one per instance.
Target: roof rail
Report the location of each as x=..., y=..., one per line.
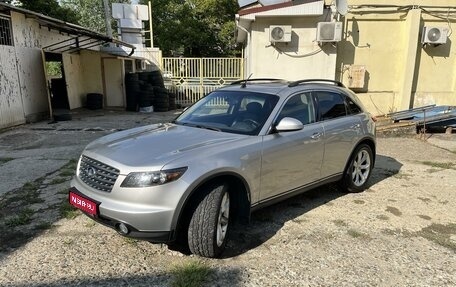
x=244, y=82
x=296, y=83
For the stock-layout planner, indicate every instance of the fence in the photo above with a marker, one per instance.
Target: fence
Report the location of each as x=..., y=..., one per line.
x=190, y=79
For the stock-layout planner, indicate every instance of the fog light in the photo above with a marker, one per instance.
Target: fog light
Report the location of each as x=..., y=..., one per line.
x=123, y=229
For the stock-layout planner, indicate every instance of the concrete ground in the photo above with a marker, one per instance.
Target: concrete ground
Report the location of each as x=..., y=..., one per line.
x=400, y=232
x=31, y=151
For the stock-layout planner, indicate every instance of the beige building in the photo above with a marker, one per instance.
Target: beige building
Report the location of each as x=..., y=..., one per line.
x=395, y=55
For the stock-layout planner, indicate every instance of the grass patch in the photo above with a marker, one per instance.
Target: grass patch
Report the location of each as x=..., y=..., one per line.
x=58, y=180
x=340, y=223
x=5, y=159
x=68, y=211
x=130, y=241
x=298, y=220
x=425, y=199
x=358, y=234
x=24, y=217
x=402, y=175
x=382, y=217
x=67, y=172
x=90, y=224
x=192, y=273
x=63, y=191
x=43, y=226
x=425, y=217
x=440, y=234
x=441, y=165
x=393, y=210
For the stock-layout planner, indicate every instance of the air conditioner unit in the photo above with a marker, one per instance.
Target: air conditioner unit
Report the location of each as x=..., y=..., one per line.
x=280, y=33
x=329, y=31
x=434, y=35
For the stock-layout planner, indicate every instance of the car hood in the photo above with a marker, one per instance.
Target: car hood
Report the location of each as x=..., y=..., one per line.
x=155, y=145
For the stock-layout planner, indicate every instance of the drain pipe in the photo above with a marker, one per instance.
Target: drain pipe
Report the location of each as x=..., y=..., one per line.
x=247, y=52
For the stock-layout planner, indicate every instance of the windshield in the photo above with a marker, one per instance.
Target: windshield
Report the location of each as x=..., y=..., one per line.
x=230, y=111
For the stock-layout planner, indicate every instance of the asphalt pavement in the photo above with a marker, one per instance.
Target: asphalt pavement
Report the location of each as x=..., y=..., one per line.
x=32, y=151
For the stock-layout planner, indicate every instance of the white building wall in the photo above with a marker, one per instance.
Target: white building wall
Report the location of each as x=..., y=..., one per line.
x=32, y=82
x=28, y=40
x=11, y=111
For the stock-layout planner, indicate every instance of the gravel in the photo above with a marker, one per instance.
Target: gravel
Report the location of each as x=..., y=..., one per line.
x=400, y=232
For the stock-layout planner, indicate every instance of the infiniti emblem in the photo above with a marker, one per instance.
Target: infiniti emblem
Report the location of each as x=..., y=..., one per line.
x=91, y=171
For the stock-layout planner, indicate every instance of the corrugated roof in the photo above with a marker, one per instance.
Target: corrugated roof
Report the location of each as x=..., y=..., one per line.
x=90, y=38
x=291, y=8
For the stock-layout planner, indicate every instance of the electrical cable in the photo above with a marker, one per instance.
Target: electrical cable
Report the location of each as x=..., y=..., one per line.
x=297, y=56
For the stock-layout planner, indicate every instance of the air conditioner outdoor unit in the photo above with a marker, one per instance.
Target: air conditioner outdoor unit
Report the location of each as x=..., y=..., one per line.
x=329, y=31
x=434, y=35
x=280, y=33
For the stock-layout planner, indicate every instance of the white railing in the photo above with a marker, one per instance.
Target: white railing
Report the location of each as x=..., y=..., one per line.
x=193, y=78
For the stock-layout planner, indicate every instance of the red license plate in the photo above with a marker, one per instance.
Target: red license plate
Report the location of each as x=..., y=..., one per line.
x=83, y=203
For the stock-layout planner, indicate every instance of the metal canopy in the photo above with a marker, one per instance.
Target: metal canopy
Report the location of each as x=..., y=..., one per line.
x=82, y=38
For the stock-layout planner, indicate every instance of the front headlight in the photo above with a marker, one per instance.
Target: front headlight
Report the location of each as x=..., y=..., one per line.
x=145, y=179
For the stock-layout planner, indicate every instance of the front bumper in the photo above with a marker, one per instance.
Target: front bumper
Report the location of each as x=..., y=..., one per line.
x=148, y=214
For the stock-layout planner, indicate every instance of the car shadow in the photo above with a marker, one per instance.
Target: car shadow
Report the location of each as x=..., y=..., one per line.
x=265, y=223
x=228, y=277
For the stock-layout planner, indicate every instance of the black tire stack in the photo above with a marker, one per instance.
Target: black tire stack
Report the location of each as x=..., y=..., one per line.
x=161, y=100
x=146, y=95
x=94, y=101
x=151, y=91
x=132, y=89
x=172, y=101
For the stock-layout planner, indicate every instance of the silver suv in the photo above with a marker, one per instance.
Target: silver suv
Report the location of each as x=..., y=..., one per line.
x=240, y=148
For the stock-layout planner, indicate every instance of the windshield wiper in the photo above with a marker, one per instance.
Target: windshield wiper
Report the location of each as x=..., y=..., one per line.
x=200, y=126
x=208, y=128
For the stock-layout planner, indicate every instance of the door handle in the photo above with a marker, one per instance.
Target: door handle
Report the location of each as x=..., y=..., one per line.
x=355, y=126
x=316, y=136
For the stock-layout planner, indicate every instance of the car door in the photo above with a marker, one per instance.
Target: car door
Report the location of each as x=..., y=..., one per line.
x=342, y=130
x=291, y=160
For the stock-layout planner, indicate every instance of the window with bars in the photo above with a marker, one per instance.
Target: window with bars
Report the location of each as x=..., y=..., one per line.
x=6, y=37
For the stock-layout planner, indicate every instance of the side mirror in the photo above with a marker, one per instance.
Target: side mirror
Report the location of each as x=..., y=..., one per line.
x=288, y=125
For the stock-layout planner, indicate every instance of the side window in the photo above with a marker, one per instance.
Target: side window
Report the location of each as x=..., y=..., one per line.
x=6, y=36
x=352, y=106
x=299, y=107
x=331, y=105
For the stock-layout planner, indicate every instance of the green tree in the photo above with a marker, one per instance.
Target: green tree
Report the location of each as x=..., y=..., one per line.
x=49, y=8
x=194, y=28
x=91, y=13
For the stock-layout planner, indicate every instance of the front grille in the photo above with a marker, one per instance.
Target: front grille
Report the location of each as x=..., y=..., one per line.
x=97, y=174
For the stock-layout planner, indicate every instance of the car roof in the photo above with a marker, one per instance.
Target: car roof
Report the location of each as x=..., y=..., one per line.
x=277, y=86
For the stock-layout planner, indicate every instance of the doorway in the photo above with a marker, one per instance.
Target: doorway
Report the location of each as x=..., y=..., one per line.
x=55, y=78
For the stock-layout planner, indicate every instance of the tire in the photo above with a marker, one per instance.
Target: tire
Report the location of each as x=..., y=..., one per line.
x=209, y=225
x=94, y=101
x=61, y=115
x=359, y=169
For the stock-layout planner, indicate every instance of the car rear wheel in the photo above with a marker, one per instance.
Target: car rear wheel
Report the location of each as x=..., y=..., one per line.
x=209, y=225
x=358, y=170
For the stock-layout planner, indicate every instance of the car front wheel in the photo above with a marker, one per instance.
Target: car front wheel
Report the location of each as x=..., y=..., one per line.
x=209, y=225
x=358, y=170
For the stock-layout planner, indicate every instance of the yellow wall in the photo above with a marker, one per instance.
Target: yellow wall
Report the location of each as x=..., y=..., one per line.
x=83, y=74
x=300, y=59
x=401, y=73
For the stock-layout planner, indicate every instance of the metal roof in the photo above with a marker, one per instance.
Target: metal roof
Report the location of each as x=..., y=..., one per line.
x=82, y=38
x=291, y=8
